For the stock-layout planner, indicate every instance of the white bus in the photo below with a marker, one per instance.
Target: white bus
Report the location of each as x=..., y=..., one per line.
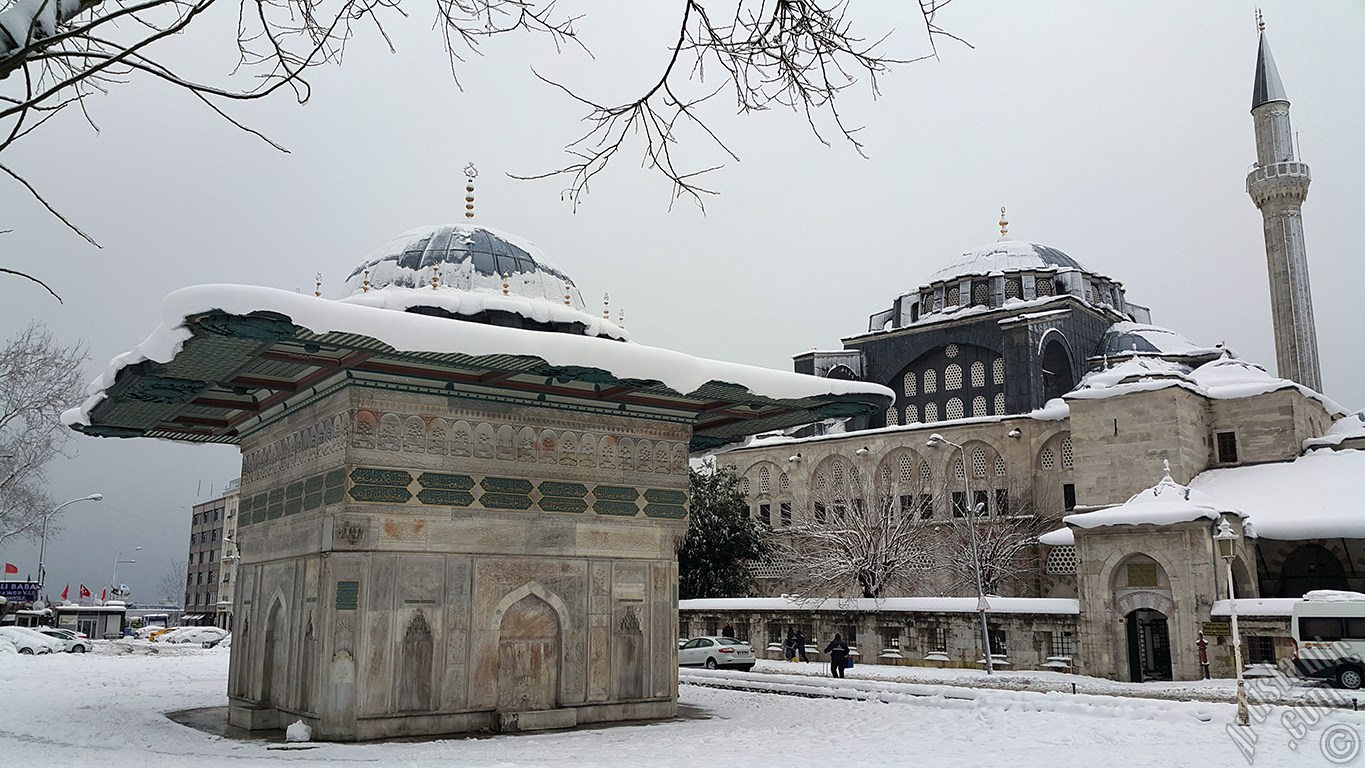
x=1329, y=637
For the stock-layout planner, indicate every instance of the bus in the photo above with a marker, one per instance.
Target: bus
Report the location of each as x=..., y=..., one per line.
x=1328, y=628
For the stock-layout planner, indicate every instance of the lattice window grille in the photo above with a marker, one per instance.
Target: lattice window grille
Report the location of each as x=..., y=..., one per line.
x=892, y=416
x=924, y=473
x=999, y=403
x=909, y=385
x=951, y=350
x=1068, y=458
x=998, y=370
x=999, y=466
x=930, y=381
x=821, y=481
x=978, y=406
x=769, y=570
x=836, y=474
x=1043, y=286
x=911, y=414
x=1048, y=460
x=927, y=302
x=744, y=486
x=978, y=374
x=954, y=409
x=952, y=377
x=1062, y=560
x=765, y=480
x=784, y=483
x=930, y=412
x=921, y=561
x=980, y=294
x=957, y=469
x=954, y=295
x=979, y=462
x=1011, y=288
x=905, y=466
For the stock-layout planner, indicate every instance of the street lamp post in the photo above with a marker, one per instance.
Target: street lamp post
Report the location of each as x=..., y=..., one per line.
x=42, y=544
x=936, y=441
x=1227, y=546
x=113, y=580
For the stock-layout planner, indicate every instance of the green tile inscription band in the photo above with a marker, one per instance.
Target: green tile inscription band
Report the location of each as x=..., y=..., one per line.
x=661, y=496
x=439, y=497
x=381, y=494
x=665, y=511
x=506, y=485
x=618, y=508
x=369, y=476
x=568, y=490
x=615, y=493
x=445, y=482
x=348, y=595
x=562, y=504
x=505, y=501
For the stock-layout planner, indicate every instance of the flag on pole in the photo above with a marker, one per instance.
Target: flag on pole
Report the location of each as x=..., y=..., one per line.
x=84, y=592
x=104, y=595
x=65, y=590
x=11, y=568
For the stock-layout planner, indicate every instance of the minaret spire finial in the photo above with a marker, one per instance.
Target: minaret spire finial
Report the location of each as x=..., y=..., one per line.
x=317, y=285
x=470, y=173
x=1260, y=21
x=1004, y=224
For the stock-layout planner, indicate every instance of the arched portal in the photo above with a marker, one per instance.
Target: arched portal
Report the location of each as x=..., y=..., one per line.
x=1058, y=378
x=274, y=658
x=1310, y=567
x=528, y=656
x=1149, y=645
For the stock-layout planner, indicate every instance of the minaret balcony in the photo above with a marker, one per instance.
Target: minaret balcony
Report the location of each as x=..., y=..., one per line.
x=1287, y=179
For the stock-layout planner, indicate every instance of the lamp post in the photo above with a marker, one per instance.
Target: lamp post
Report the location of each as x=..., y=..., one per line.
x=937, y=441
x=113, y=580
x=42, y=544
x=1227, y=546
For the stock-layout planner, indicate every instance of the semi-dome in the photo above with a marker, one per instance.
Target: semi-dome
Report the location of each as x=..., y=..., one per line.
x=1006, y=256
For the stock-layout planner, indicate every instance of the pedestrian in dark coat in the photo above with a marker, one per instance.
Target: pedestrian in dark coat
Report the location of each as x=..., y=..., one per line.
x=838, y=655
x=801, y=645
x=789, y=647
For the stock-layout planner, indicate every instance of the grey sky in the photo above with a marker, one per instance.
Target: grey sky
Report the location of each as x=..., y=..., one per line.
x=1119, y=133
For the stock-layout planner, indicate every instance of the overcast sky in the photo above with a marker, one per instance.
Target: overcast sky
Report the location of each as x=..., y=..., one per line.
x=1119, y=134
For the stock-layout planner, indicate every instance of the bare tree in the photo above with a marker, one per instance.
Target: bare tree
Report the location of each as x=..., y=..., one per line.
x=38, y=380
x=797, y=54
x=1007, y=530
x=171, y=585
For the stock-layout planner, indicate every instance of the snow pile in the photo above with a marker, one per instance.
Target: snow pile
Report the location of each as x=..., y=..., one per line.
x=1039, y=605
x=410, y=332
x=1333, y=596
x=1062, y=537
x=1129, y=338
x=461, y=302
x=1256, y=606
x=298, y=731
x=1316, y=496
x=1347, y=430
x=1165, y=503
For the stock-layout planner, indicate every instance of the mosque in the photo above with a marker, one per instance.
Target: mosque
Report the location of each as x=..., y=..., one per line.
x=1035, y=400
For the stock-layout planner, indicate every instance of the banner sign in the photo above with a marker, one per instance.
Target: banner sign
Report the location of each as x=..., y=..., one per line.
x=19, y=591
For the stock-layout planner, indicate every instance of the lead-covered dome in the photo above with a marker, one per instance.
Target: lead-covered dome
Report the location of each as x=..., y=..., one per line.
x=1006, y=256
x=473, y=272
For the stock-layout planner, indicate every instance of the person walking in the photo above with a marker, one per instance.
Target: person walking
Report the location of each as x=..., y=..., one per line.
x=801, y=646
x=789, y=647
x=838, y=655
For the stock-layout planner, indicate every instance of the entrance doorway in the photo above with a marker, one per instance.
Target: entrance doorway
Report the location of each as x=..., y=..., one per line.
x=1149, y=646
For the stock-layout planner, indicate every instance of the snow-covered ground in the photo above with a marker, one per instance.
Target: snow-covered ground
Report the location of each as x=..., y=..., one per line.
x=108, y=709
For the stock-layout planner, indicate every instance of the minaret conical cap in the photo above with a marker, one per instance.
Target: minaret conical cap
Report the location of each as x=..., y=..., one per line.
x=1268, y=87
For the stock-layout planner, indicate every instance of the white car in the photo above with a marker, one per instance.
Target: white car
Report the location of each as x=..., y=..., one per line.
x=30, y=642
x=71, y=641
x=7, y=646
x=712, y=652
x=195, y=635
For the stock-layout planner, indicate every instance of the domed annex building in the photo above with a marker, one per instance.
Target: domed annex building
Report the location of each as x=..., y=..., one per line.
x=1086, y=456
x=461, y=493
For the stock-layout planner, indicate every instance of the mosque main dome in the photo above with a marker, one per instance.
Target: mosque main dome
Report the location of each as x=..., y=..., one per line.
x=473, y=272
x=1005, y=256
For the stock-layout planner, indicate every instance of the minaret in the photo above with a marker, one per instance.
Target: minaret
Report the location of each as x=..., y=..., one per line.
x=1278, y=184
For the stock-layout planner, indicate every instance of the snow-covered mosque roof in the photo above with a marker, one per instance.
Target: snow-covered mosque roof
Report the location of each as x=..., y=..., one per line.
x=1348, y=431
x=1224, y=378
x=1006, y=256
x=1128, y=338
x=227, y=359
x=1315, y=496
x=1165, y=503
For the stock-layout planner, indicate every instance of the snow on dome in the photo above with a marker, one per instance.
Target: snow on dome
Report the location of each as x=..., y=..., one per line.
x=1165, y=503
x=1316, y=496
x=1128, y=338
x=1006, y=256
x=1348, y=430
x=1133, y=375
x=471, y=264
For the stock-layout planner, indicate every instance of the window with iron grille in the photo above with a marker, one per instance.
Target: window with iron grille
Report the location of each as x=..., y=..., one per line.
x=1069, y=496
x=999, y=466
x=909, y=384
x=1063, y=644
x=1002, y=501
x=954, y=409
x=936, y=639
x=998, y=638
x=891, y=637
x=764, y=480
x=952, y=350
x=775, y=634
x=978, y=462
x=926, y=506
x=785, y=509
x=740, y=631
x=930, y=381
x=1068, y=458
x=978, y=406
x=682, y=628
x=819, y=512
x=784, y=483
x=911, y=414
x=1011, y=288
x=765, y=516
x=1227, y=447
x=1047, y=459
x=892, y=416
x=980, y=502
x=953, y=297
x=1042, y=286
x=978, y=374
x=1062, y=560
x=999, y=403
x=959, y=504
x=930, y=412
x=952, y=376
x=712, y=625
x=980, y=294
x=1260, y=649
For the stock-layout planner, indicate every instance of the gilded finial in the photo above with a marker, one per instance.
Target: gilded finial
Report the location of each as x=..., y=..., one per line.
x=606, y=306
x=568, y=298
x=435, y=278
x=621, y=318
x=317, y=285
x=1004, y=224
x=506, y=282
x=1260, y=21
x=470, y=173
x=365, y=286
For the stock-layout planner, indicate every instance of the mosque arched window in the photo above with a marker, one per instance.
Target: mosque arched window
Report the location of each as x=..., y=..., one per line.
x=978, y=406
x=1011, y=288
x=744, y=486
x=978, y=462
x=979, y=374
x=930, y=381
x=952, y=350
x=924, y=473
x=999, y=466
x=957, y=469
x=953, y=297
x=784, y=483
x=911, y=414
x=908, y=385
x=1068, y=458
x=998, y=370
x=1042, y=286
x=952, y=376
x=980, y=294
x=999, y=403
x=764, y=481
x=954, y=408
x=930, y=412
x=1047, y=459
x=905, y=466
x=892, y=417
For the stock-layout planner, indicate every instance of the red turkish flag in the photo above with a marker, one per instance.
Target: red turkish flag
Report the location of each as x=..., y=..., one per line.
x=84, y=592
x=104, y=595
x=11, y=568
x=65, y=590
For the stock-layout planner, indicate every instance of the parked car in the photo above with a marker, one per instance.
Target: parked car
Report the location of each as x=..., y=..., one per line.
x=71, y=642
x=30, y=642
x=223, y=642
x=160, y=632
x=7, y=646
x=195, y=635
x=713, y=651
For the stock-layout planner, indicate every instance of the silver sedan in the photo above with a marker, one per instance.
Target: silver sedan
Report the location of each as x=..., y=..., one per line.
x=713, y=652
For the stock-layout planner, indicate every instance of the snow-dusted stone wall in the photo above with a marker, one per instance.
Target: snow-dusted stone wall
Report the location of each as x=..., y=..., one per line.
x=417, y=565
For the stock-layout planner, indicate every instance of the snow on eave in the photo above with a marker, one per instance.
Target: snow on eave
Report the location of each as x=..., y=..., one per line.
x=1024, y=605
x=411, y=332
x=461, y=302
x=1062, y=537
x=1256, y=606
x=1315, y=496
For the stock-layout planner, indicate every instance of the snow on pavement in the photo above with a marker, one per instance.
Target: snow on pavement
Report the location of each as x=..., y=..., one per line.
x=108, y=708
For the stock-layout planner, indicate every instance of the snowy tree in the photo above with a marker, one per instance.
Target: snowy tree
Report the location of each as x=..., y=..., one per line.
x=1006, y=540
x=171, y=585
x=38, y=380
x=721, y=539
x=795, y=54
